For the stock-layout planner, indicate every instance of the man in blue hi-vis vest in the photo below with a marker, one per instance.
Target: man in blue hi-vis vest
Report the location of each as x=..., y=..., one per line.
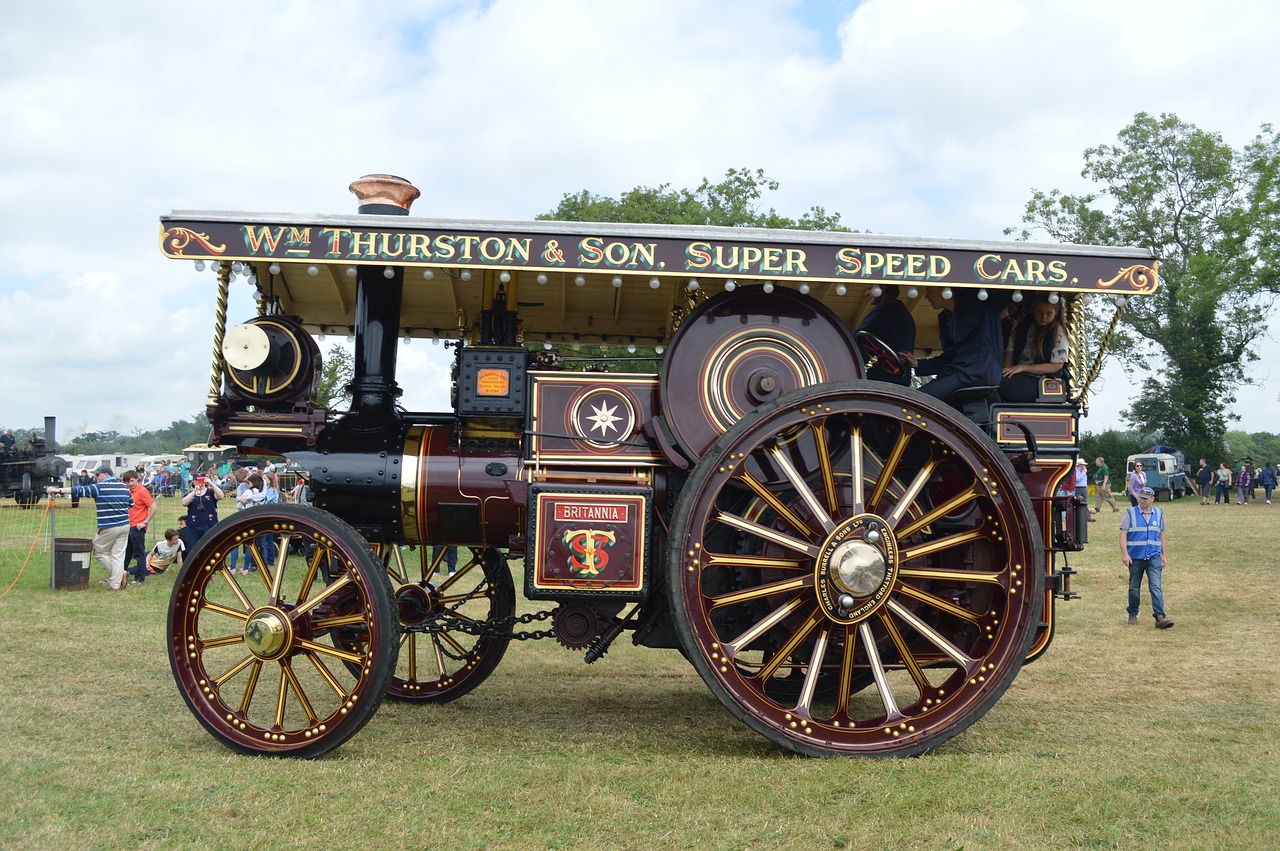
x=1142, y=546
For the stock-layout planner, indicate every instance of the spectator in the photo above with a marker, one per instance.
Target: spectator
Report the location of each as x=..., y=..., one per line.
x=1082, y=482
x=202, y=507
x=303, y=494
x=1223, y=476
x=1102, y=478
x=1267, y=478
x=140, y=514
x=186, y=533
x=166, y=552
x=1243, y=480
x=1204, y=481
x=249, y=493
x=112, y=501
x=1137, y=481
x=1142, y=545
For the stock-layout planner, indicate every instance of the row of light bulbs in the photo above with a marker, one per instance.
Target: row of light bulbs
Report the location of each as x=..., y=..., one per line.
x=655, y=282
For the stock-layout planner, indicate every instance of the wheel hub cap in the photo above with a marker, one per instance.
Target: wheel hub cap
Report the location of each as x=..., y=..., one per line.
x=266, y=633
x=856, y=568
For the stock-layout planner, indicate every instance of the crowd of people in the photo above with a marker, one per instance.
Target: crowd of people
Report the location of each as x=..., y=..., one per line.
x=1245, y=478
x=126, y=507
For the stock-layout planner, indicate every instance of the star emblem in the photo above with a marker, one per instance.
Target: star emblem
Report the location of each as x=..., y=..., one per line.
x=603, y=418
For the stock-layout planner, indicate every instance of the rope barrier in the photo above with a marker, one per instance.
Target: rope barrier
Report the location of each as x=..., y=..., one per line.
x=35, y=539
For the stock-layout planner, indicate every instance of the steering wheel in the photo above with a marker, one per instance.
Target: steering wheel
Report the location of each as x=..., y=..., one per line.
x=873, y=348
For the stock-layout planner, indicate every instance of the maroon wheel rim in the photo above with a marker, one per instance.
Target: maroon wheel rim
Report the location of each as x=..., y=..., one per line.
x=839, y=619
x=265, y=661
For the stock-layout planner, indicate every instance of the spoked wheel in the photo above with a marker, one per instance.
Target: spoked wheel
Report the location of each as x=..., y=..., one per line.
x=266, y=661
x=877, y=602
x=444, y=650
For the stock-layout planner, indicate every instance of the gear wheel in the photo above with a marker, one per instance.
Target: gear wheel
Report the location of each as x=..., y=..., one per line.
x=575, y=625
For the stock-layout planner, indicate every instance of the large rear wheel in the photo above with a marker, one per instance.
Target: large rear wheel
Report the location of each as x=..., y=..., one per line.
x=266, y=661
x=456, y=626
x=877, y=601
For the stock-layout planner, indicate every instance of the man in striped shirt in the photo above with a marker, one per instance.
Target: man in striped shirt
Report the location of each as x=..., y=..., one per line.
x=113, y=501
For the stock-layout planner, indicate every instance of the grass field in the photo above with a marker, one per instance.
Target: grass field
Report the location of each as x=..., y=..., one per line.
x=1120, y=737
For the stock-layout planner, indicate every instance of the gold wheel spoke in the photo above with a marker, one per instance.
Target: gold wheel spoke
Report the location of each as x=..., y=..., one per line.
x=761, y=490
x=908, y=659
x=249, y=689
x=327, y=675
x=888, y=469
x=763, y=625
x=234, y=669
x=934, y=637
x=936, y=602
x=913, y=490
x=235, y=589
x=336, y=621
x=313, y=569
x=984, y=576
x=400, y=574
x=811, y=676
x=784, y=652
x=755, y=562
x=411, y=639
x=759, y=592
x=221, y=641
x=949, y=507
x=766, y=533
x=802, y=489
x=819, y=432
x=439, y=654
x=944, y=543
x=281, y=693
x=449, y=639
x=846, y=671
x=344, y=655
x=218, y=608
x=307, y=709
x=448, y=600
x=891, y=711
x=277, y=578
x=856, y=471
x=329, y=591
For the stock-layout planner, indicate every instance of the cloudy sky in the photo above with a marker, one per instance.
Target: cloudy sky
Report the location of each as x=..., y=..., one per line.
x=916, y=118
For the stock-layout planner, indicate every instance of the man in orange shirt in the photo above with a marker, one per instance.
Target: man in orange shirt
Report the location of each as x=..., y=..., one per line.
x=140, y=513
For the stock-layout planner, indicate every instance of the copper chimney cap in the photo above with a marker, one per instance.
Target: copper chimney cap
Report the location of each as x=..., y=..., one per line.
x=384, y=194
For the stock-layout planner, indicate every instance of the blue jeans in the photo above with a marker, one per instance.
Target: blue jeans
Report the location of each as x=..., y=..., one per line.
x=1221, y=495
x=1152, y=567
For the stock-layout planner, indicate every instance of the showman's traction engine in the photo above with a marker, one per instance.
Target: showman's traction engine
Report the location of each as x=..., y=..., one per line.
x=853, y=567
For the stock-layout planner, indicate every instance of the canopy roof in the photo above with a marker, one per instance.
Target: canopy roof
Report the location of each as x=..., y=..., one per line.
x=597, y=282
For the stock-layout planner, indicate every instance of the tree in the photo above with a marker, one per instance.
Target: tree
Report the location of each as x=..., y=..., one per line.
x=335, y=378
x=734, y=202
x=1211, y=214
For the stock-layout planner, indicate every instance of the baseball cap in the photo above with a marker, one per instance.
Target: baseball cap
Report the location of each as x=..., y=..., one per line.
x=1148, y=492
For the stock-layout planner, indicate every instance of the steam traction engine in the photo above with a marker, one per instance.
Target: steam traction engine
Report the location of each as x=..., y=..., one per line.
x=854, y=568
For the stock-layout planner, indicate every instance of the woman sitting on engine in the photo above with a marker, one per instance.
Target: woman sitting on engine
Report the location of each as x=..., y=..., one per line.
x=1038, y=348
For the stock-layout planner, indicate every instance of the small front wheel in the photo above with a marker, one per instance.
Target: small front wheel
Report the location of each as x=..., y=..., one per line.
x=286, y=647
